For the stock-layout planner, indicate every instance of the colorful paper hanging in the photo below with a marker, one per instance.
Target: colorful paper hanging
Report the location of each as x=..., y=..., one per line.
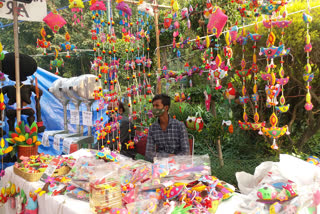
x=243, y=73
x=54, y=21
x=274, y=86
x=216, y=22
x=256, y=125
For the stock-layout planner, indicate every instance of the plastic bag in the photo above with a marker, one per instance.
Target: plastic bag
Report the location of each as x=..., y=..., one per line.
x=181, y=167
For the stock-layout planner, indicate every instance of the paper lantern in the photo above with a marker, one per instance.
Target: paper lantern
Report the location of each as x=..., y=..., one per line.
x=216, y=22
x=54, y=21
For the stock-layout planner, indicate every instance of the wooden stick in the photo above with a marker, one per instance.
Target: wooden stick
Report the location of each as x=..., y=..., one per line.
x=17, y=62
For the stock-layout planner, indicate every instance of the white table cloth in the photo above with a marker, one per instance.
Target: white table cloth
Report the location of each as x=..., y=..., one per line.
x=47, y=204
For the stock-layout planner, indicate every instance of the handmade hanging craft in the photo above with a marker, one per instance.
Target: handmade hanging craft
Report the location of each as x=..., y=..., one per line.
x=308, y=75
x=218, y=70
x=43, y=43
x=256, y=125
x=216, y=22
x=56, y=63
x=282, y=80
x=55, y=21
x=273, y=86
x=243, y=73
x=76, y=6
x=67, y=46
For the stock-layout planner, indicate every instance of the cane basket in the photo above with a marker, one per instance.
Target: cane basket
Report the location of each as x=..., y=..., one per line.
x=27, y=151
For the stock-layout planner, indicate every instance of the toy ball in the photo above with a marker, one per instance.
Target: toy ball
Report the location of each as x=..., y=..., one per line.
x=313, y=160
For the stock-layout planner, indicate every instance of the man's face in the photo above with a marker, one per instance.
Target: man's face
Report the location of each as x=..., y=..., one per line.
x=158, y=105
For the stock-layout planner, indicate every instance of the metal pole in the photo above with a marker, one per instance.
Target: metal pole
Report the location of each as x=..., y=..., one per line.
x=17, y=63
x=156, y=16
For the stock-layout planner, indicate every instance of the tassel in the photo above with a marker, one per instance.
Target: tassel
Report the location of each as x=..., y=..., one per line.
x=274, y=145
x=260, y=132
x=288, y=132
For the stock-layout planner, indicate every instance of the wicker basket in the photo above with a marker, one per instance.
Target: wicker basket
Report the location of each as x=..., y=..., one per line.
x=27, y=151
x=31, y=177
x=62, y=171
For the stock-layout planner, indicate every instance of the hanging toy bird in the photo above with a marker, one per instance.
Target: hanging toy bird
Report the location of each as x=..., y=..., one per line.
x=43, y=43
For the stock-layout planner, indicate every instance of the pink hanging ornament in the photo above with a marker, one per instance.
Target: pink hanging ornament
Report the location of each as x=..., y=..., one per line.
x=217, y=21
x=54, y=21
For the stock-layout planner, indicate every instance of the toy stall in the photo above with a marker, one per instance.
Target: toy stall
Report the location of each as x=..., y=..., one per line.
x=61, y=133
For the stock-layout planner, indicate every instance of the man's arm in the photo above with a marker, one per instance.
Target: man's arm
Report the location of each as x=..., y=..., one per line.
x=185, y=150
x=151, y=148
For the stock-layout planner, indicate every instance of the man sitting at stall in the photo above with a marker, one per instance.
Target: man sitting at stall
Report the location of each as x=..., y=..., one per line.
x=166, y=137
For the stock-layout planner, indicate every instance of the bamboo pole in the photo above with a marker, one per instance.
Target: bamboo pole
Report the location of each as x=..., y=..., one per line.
x=156, y=16
x=17, y=62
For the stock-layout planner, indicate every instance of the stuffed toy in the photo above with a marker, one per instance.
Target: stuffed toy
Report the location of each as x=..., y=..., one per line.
x=28, y=67
x=195, y=123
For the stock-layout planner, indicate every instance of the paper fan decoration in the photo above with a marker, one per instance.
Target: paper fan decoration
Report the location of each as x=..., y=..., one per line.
x=54, y=21
x=216, y=22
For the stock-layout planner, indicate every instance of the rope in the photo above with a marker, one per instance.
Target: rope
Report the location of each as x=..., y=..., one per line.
x=299, y=11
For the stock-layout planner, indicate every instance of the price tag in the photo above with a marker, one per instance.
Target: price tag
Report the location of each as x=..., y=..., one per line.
x=50, y=169
x=45, y=139
x=87, y=118
x=56, y=142
x=75, y=119
x=66, y=145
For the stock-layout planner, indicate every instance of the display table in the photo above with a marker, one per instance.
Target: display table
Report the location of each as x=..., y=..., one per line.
x=47, y=204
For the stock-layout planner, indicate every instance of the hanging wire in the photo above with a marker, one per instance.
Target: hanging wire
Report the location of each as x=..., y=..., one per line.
x=299, y=11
